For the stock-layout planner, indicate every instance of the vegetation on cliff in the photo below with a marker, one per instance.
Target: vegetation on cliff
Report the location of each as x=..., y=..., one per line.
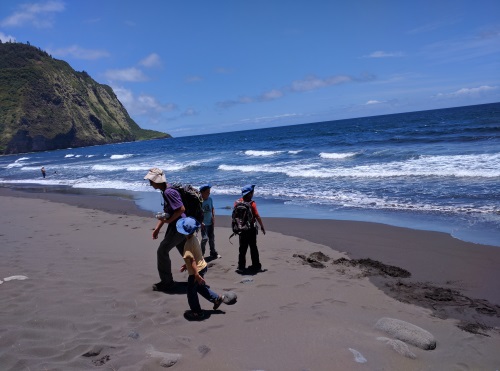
x=45, y=104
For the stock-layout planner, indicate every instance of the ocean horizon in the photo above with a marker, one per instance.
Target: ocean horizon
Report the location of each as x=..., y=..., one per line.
x=434, y=170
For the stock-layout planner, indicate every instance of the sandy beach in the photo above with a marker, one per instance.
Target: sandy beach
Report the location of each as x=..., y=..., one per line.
x=77, y=271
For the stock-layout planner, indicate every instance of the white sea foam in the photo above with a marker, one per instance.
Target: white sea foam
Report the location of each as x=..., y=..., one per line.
x=107, y=167
x=30, y=168
x=69, y=155
x=110, y=184
x=295, y=152
x=466, y=166
x=40, y=180
x=13, y=165
x=266, y=168
x=262, y=153
x=360, y=200
x=337, y=156
x=17, y=163
x=120, y=157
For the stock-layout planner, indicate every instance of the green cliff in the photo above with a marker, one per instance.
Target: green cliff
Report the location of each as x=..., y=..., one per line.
x=46, y=105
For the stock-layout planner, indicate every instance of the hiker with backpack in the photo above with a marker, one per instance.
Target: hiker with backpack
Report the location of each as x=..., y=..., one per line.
x=178, y=202
x=244, y=217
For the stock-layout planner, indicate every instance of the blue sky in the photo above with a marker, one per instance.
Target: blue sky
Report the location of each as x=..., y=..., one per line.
x=197, y=67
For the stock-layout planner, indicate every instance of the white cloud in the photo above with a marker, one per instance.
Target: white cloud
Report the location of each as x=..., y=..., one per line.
x=297, y=86
x=142, y=104
x=433, y=26
x=40, y=15
x=373, y=102
x=6, y=38
x=313, y=82
x=271, y=95
x=469, y=92
x=190, y=112
x=486, y=43
x=223, y=70
x=270, y=118
x=193, y=79
x=128, y=74
x=152, y=60
x=382, y=54
x=78, y=52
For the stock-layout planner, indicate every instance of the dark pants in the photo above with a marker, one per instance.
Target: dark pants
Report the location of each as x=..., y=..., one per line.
x=194, y=288
x=210, y=237
x=172, y=239
x=249, y=239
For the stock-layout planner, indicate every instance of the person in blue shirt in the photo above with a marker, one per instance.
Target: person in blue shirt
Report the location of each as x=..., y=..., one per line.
x=208, y=222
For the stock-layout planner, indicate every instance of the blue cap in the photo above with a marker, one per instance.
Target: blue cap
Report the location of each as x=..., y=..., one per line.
x=247, y=189
x=205, y=186
x=187, y=225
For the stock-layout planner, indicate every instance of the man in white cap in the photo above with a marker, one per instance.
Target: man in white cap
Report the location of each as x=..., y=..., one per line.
x=174, y=208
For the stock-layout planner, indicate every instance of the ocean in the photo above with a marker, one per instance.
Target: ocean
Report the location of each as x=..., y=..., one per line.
x=434, y=170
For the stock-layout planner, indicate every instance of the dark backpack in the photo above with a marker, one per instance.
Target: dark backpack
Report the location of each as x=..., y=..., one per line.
x=241, y=217
x=192, y=200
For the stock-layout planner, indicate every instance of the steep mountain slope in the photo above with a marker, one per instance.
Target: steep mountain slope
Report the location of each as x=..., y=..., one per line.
x=46, y=105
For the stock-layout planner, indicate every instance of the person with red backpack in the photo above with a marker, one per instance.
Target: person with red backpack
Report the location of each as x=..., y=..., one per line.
x=244, y=224
x=174, y=209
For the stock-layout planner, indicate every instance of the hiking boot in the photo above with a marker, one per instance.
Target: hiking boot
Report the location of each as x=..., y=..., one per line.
x=218, y=302
x=194, y=316
x=215, y=255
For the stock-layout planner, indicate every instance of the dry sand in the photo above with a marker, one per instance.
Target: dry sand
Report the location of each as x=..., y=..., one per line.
x=86, y=302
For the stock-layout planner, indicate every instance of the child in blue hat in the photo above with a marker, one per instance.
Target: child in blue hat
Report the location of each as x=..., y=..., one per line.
x=196, y=267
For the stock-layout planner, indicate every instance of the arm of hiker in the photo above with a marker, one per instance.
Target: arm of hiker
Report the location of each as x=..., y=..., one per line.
x=156, y=231
x=213, y=216
x=259, y=219
x=177, y=213
x=197, y=276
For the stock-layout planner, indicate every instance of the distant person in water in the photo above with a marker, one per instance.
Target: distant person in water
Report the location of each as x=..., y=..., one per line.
x=43, y=171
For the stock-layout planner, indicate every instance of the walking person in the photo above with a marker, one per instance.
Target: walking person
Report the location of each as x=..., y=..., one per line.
x=174, y=209
x=248, y=238
x=208, y=226
x=43, y=171
x=197, y=268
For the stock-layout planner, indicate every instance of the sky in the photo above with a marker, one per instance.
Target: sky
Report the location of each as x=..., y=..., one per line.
x=197, y=67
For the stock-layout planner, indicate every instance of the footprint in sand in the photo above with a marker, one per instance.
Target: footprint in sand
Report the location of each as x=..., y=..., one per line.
x=258, y=316
x=166, y=359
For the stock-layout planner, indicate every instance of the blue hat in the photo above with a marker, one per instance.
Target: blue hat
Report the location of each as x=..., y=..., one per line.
x=247, y=189
x=187, y=225
x=205, y=186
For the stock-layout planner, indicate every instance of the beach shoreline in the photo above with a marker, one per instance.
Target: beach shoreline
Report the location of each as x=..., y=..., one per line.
x=422, y=251
x=452, y=289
